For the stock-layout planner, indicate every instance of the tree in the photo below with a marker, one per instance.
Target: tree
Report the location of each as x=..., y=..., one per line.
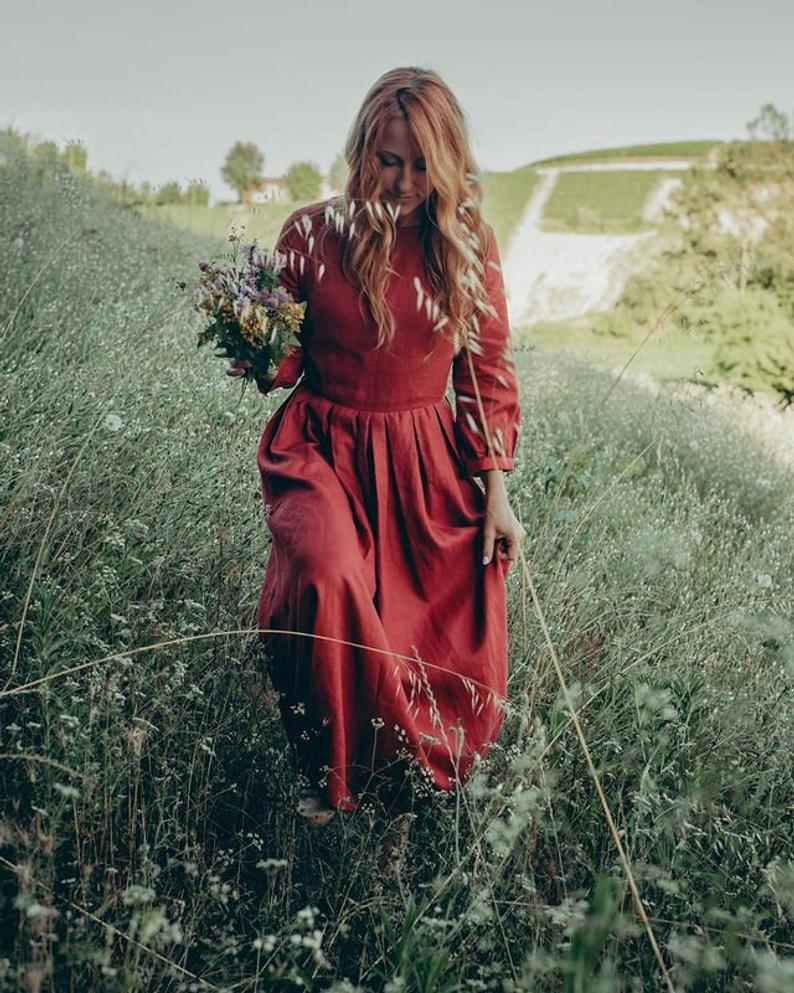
x=771, y=124
x=338, y=173
x=242, y=168
x=740, y=197
x=737, y=208
x=169, y=193
x=304, y=181
x=197, y=193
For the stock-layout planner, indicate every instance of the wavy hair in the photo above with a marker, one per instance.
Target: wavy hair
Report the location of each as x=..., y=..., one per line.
x=455, y=234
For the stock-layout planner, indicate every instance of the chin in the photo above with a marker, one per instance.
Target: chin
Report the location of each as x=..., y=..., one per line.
x=409, y=206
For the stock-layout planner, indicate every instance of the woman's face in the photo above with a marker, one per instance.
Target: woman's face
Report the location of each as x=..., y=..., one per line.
x=402, y=170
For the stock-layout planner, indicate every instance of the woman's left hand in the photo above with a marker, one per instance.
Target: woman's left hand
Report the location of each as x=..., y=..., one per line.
x=502, y=530
x=237, y=367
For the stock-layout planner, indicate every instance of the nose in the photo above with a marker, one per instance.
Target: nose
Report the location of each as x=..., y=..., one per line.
x=405, y=182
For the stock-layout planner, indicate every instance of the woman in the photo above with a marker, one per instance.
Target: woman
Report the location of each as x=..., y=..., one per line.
x=388, y=559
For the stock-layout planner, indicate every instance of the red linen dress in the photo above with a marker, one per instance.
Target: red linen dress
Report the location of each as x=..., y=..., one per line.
x=367, y=479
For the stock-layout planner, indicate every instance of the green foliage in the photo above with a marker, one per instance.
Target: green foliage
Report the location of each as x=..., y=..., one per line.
x=584, y=971
x=773, y=264
x=754, y=341
x=49, y=163
x=750, y=184
x=418, y=960
x=504, y=197
x=600, y=202
x=719, y=286
x=168, y=193
x=771, y=125
x=242, y=167
x=337, y=174
x=261, y=221
x=46, y=155
x=304, y=181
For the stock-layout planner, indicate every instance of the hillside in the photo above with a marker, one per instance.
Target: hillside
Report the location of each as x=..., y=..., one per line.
x=634, y=153
x=149, y=839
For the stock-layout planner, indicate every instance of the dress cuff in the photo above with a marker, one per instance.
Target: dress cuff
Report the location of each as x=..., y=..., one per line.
x=475, y=466
x=286, y=374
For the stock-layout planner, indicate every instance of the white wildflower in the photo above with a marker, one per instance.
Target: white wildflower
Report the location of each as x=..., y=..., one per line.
x=113, y=422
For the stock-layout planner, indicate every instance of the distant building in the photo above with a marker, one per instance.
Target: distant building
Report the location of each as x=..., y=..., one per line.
x=274, y=189
x=270, y=189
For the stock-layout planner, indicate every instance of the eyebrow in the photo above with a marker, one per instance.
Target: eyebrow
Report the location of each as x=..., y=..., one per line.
x=385, y=151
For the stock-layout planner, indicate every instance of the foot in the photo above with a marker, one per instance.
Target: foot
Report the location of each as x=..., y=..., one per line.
x=314, y=810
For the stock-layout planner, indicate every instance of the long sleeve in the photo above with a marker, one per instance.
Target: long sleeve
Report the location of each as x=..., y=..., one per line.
x=291, y=243
x=495, y=376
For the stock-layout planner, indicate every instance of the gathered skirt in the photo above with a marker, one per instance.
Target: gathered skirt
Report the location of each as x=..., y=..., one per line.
x=391, y=635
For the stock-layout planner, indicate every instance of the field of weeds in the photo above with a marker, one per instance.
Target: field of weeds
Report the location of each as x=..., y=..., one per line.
x=148, y=837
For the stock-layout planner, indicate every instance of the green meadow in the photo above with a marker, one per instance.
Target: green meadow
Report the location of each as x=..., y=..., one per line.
x=260, y=221
x=148, y=839
x=636, y=153
x=504, y=196
x=608, y=202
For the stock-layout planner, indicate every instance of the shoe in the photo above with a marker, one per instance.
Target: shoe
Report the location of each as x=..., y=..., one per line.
x=394, y=843
x=314, y=810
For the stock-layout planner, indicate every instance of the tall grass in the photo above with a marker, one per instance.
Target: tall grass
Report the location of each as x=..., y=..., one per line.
x=148, y=839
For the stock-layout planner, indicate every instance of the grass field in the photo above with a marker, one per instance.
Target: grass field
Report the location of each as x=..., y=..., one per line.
x=261, y=221
x=660, y=150
x=668, y=355
x=609, y=202
x=505, y=194
x=147, y=834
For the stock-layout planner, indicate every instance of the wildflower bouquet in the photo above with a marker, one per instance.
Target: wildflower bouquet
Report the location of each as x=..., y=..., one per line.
x=251, y=315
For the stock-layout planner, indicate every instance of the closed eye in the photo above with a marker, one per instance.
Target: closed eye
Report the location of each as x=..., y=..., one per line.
x=390, y=162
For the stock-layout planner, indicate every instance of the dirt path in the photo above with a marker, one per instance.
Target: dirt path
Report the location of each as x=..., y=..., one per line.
x=553, y=276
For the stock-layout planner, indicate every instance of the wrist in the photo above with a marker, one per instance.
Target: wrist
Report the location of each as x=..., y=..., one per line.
x=493, y=479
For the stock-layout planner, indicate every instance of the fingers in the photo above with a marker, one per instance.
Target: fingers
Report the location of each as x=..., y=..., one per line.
x=237, y=367
x=513, y=546
x=488, y=538
x=509, y=544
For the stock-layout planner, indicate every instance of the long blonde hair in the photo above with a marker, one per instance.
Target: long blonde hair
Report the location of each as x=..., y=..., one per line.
x=455, y=233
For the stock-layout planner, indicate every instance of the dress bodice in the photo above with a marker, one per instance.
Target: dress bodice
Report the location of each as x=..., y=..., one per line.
x=340, y=358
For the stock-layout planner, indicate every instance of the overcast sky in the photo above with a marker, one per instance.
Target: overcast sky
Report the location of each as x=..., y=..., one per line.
x=161, y=90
